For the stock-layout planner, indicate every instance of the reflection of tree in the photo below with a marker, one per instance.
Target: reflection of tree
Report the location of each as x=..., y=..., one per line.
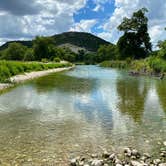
x=64, y=83
x=161, y=90
x=132, y=96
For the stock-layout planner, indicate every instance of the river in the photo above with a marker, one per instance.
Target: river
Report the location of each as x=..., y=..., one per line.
x=49, y=120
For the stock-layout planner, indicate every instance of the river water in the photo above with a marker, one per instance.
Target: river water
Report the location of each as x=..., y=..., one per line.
x=49, y=120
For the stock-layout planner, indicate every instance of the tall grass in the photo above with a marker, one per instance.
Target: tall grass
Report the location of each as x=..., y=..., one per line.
x=151, y=65
x=11, y=68
x=115, y=64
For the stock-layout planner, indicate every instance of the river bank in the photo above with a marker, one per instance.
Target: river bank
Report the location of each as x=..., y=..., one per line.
x=29, y=76
x=154, y=67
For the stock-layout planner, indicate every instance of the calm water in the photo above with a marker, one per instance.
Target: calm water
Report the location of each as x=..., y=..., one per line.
x=52, y=119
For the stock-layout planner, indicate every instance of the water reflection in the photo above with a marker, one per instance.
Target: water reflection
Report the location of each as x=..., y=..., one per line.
x=132, y=95
x=65, y=83
x=161, y=90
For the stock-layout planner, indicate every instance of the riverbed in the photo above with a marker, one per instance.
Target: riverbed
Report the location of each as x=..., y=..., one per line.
x=49, y=120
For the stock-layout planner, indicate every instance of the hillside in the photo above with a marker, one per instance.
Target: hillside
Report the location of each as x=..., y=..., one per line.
x=82, y=40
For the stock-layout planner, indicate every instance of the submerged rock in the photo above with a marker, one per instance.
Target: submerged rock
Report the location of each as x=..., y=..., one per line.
x=97, y=162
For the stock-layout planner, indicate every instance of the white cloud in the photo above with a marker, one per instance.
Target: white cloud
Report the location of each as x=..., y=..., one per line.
x=52, y=16
x=84, y=25
x=125, y=8
x=97, y=8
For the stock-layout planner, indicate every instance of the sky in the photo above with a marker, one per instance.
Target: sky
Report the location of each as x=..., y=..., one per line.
x=23, y=20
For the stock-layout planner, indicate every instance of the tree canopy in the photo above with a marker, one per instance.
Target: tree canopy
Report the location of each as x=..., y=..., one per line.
x=135, y=42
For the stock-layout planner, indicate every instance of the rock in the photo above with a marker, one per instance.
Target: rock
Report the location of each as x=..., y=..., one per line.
x=94, y=155
x=164, y=143
x=112, y=156
x=73, y=162
x=136, y=163
x=135, y=153
x=118, y=165
x=97, y=162
x=81, y=163
x=106, y=154
x=147, y=155
x=162, y=164
x=162, y=154
x=105, y=165
x=117, y=161
x=127, y=152
x=156, y=161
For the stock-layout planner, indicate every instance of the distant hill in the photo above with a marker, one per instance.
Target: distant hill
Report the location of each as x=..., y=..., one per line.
x=73, y=40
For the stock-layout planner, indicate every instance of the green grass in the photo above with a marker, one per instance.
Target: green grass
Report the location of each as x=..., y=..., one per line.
x=11, y=68
x=115, y=64
x=151, y=65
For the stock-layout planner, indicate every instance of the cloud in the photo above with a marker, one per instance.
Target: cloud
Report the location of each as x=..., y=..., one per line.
x=100, y=5
x=84, y=25
x=125, y=8
x=20, y=7
x=36, y=17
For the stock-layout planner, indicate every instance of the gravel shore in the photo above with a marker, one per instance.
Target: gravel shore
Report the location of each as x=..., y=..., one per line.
x=130, y=157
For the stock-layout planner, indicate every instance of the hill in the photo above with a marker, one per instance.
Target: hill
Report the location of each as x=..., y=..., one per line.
x=76, y=40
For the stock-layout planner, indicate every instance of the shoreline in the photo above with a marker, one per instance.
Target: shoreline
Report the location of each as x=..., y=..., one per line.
x=129, y=157
x=29, y=76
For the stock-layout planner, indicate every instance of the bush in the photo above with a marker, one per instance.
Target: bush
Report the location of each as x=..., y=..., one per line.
x=56, y=59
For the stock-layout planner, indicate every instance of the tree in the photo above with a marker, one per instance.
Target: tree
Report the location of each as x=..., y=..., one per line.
x=162, y=51
x=106, y=52
x=42, y=47
x=15, y=51
x=29, y=55
x=135, y=42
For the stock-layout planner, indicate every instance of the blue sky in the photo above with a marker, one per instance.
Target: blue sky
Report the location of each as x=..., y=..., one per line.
x=23, y=20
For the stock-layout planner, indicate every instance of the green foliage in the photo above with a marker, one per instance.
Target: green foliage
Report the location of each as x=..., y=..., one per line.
x=135, y=42
x=44, y=60
x=15, y=51
x=162, y=51
x=106, y=52
x=56, y=59
x=29, y=55
x=11, y=68
x=115, y=64
x=42, y=47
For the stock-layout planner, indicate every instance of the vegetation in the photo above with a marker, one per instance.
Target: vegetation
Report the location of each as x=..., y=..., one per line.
x=11, y=68
x=133, y=49
x=115, y=64
x=151, y=65
x=135, y=43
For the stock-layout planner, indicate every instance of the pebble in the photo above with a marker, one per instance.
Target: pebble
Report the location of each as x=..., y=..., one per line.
x=134, y=158
x=73, y=162
x=97, y=162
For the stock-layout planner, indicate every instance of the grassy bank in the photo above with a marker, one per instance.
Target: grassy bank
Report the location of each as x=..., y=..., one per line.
x=149, y=65
x=12, y=68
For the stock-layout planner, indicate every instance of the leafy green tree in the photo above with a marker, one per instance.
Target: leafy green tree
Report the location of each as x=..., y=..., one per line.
x=106, y=52
x=42, y=47
x=29, y=55
x=135, y=42
x=15, y=51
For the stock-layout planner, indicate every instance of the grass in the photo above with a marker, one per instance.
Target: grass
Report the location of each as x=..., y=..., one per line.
x=12, y=68
x=115, y=64
x=151, y=65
